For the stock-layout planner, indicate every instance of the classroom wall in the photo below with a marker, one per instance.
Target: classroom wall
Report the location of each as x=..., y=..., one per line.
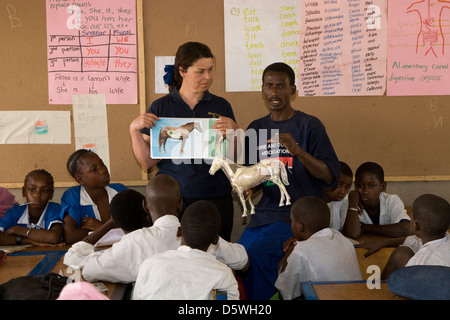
x=398, y=132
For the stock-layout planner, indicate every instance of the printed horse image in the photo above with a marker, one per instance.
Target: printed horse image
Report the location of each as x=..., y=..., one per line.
x=177, y=133
x=243, y=178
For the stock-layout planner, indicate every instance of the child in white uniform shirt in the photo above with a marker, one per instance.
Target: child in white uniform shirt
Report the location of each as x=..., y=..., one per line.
x=337, y=195
x=188, y=273
x=430, y=244
x=316, y=252
x=121, y=262
x=370, y=209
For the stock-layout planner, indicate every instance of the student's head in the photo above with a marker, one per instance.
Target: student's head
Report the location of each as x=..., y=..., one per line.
x=127, y=211
x=88, y=169
x=340, y=190
x=430, y=216
x=369, y=183
x=163, y=196
x=200, y=225
x=308, y=216
x=194, y=67
x=278, y=85
x=38, y=189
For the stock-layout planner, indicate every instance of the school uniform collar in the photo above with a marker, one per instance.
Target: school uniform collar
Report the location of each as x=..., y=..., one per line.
x=437, y=241
x=324, y=233
x=25, y=219
x=167, y=219
x=85, y=199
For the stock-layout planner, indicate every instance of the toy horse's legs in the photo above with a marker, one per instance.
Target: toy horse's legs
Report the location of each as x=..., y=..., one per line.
x=241, y=197
x=283, y=192
x=252, y=206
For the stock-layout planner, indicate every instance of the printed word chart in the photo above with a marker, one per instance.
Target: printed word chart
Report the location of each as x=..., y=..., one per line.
x=259, y=33
x=343, y=48
x=92, y=50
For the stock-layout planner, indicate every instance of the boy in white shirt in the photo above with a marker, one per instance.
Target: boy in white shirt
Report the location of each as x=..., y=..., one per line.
x=188, y=273
x=121, y=262
x=430, y=244
x=370, y=209
x=316, y=252
x=336, y=196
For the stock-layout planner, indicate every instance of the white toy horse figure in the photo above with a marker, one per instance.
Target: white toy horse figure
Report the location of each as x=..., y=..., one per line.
x=243, y=178
x=177, y=133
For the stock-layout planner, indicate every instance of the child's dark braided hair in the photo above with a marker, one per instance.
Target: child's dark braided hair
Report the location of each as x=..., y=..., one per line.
x=42, y=172
x=74, y=160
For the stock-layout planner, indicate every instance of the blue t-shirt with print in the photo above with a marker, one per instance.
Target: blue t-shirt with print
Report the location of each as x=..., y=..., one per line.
x=310, y=134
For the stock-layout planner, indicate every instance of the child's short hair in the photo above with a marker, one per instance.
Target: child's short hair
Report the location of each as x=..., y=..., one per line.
x=312, y=211
x=74, y=161
x=346, y=170
x=200, y=224
x=371, y=167
x=127, y=210
x=433, y=213
x=41, y=172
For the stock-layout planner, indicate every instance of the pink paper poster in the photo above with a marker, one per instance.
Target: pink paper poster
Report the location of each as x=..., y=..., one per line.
x=418, y=47
x=92, y=50
x=343, y=48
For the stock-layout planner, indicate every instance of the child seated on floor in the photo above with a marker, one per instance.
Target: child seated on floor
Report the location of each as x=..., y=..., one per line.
x=37, y=221
x=188, y=273
x=335, y=196
x=7, y=200
x=430, y=244
x=370, y=209
x=84, y=208
x=315, y=252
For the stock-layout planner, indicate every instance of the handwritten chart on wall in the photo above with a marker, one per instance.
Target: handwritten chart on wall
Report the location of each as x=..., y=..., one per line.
x=92, y=50
x=418, y=51
x=343, y=48
x=258, y=33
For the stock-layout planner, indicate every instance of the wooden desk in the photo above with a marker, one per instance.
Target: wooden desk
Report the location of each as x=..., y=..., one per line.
x=41, y=260
x=378, y=258
x=341, y=290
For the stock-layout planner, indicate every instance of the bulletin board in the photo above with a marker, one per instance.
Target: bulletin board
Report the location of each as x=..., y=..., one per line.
x=408, y=136
x=24, y=86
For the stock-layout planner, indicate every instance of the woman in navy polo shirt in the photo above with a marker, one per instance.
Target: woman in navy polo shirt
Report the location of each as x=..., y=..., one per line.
x=189, y=98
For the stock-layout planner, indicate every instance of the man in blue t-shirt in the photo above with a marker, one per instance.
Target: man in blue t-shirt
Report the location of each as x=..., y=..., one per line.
x=301, y=142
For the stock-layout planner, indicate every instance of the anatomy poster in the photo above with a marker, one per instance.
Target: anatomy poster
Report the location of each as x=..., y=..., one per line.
x=418, y=47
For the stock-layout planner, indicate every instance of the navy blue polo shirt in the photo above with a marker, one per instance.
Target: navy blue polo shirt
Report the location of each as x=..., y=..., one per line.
x=193, y=174
x=310, y=134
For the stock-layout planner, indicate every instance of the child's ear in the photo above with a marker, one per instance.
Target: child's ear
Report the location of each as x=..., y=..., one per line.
x=79, y=179
x=216, y=240
x=383, y=186
x=23, y=191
